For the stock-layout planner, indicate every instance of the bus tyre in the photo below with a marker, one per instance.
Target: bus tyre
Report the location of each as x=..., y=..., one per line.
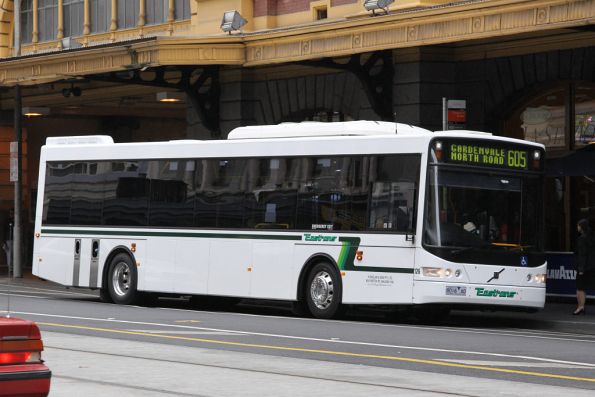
x=323, y=291
x=105, y=296
x=122, y=279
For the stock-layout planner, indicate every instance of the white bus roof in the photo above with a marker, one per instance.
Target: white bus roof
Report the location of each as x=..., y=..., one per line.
x=79, y=140
x=320, y=129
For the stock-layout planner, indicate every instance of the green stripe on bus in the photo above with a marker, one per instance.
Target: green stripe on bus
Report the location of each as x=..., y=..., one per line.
x=345, y=262
x=171, y=234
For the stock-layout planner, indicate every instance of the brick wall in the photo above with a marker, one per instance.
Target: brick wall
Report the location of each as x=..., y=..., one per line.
x=265, y=7
x=335, y=3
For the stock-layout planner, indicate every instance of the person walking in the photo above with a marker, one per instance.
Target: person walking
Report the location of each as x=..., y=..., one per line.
x=585, y=263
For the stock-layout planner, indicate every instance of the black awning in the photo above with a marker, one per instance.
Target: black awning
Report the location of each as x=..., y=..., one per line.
x=579, y=163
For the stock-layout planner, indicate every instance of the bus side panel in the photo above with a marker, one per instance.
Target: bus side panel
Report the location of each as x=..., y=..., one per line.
x=192, y=266
x=158, y=272
x=364, y=287
x=272, y=273
x=230, y=267
x=384, y=275
x=55, y=259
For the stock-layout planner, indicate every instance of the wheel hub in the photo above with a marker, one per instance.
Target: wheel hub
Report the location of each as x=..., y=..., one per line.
x=121, y=279
x=322, y=290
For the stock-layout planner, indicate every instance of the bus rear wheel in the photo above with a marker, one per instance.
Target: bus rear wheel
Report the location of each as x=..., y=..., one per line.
x=122, y=280
x=323, y=291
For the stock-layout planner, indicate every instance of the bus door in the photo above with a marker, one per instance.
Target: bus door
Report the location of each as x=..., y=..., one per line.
x=85, y=259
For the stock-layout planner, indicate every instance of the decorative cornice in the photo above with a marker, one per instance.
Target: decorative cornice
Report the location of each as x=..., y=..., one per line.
x=151, y=53
x=449, y=24
x=426, y=27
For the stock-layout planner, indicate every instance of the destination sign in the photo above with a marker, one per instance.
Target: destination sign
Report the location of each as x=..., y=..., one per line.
x=487, y=155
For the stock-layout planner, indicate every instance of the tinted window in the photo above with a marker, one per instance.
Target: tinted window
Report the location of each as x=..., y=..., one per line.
x=394, y=184
x=57, y=199
x=87, y=191
x=172, y=192
x=270, y=201
x=126, y=202
x=341, y=193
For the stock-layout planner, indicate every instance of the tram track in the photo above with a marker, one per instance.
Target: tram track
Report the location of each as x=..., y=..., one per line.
x=244, y=370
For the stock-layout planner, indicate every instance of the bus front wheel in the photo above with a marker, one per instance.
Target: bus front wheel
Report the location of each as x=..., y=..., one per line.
x=323, y=291
x=122, y=280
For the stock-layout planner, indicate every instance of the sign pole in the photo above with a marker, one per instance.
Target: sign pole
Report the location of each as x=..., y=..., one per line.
x=444, y=114
x=18, y=193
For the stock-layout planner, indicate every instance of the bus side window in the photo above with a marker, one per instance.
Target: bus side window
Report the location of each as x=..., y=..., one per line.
x=394, y=193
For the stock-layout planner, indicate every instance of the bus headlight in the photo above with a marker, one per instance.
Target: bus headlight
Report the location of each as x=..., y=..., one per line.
x=436, y=272
x=432, y=271
x=540, y=278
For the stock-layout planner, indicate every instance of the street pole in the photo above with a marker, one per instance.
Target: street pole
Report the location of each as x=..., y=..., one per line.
x=18, y=193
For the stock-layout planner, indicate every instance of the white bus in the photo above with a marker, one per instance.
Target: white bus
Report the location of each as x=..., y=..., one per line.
x=321, y=214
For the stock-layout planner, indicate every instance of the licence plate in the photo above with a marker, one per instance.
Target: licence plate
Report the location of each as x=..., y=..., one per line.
x=456, y=290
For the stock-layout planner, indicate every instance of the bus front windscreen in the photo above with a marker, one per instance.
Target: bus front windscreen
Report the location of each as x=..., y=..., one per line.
x=484, y=217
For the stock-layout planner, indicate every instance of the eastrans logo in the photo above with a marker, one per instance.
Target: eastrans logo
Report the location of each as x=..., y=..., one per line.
x=495, y=293
x=319, y=237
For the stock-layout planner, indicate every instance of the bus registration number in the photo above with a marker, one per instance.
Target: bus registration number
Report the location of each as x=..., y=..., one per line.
x=456, y=290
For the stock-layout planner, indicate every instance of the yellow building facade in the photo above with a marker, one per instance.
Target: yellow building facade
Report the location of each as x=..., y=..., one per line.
x=526, y=69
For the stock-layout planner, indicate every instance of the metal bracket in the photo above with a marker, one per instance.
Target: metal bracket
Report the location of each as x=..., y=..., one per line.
x=201, y=85
x=376, y=75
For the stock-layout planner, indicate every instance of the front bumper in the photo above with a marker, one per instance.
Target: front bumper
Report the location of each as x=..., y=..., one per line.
x=441, y=292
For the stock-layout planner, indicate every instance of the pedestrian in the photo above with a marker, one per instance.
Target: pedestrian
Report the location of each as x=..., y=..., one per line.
x=585, y=263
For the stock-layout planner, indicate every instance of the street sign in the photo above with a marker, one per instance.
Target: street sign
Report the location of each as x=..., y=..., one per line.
x=456, y=114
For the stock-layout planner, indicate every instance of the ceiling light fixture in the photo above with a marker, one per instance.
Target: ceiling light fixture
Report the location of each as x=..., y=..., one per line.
x=30, y=111
x=174, y=96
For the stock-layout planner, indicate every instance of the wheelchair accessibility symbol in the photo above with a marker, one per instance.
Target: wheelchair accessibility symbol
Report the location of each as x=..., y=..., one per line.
x=524, y=261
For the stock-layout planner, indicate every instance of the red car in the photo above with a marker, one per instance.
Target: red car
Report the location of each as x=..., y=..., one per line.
x=22, y=371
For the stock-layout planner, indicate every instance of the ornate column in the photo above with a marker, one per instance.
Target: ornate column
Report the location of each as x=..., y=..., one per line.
x=86, y=18
x=142, y=13
x=35, y=37
x=171, y=16
x=60, y=19
x=114, y=22
x=171, y=11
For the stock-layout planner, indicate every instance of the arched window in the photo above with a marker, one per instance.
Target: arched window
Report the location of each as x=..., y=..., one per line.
x=26, y=21
x=156, y=11
x=584, y=114
x=48, y=20
x=182, y=9
x=562, y=117
x=128, y=11
x=550, y=116
x=73, y=17
x=101, y=15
